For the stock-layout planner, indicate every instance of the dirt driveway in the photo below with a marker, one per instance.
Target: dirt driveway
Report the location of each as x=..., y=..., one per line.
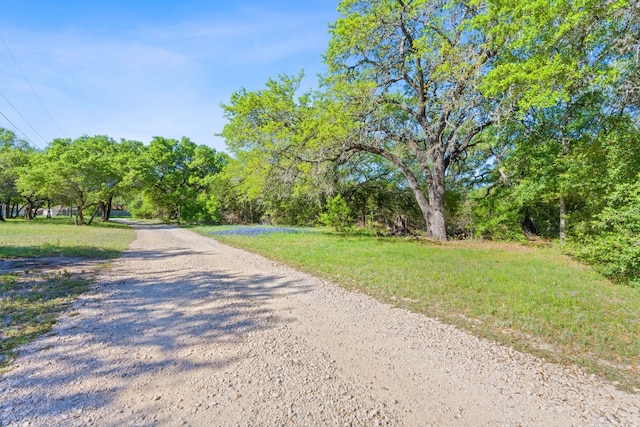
x=185, y=331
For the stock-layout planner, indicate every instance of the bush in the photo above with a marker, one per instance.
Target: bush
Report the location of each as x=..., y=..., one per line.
x=141, y=207
x=337, y=215
x=612, y=244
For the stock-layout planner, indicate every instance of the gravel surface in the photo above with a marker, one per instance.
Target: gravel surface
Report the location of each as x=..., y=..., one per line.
x=183, y=330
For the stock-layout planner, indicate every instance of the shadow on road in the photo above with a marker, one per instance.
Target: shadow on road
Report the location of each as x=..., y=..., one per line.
x=159, y=322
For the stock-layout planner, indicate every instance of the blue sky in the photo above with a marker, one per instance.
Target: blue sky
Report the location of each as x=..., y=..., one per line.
x=137, y=69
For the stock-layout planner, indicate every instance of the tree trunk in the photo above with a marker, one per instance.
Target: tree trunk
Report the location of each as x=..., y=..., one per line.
x=563, y=205
x=437, y=227
x=99, y=208
x=7, y=208
x=423, y=202
x=106, y=209
x=28, y=212
x=432, y=208
x=563, y=221
x=438, y=224
x=28, y=209
x=1, y=216
x=528, y=227
x=401, y=226
x=79, y=216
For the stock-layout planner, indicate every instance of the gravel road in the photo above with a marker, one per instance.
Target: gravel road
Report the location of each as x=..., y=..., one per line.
x=182, y=330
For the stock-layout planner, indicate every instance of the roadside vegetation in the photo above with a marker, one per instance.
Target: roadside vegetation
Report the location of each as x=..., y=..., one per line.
x=531, y=297
x=34, y=286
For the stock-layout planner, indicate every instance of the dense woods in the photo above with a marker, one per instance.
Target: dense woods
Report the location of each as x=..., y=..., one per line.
x=476, y=119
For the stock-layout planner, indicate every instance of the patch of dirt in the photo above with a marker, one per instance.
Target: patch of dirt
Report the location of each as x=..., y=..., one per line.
x=72, y=265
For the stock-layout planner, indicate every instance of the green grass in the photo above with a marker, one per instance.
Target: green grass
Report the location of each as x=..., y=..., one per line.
x=32, y=299
x=535, y=299
x=30, y=306
x=60, y=237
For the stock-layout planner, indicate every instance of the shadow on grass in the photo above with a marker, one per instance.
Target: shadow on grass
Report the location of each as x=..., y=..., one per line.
x=65, y=220
x=149, y=326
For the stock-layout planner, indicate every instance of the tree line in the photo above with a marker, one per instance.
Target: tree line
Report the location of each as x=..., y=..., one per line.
x=469, y=119
x=167, y=178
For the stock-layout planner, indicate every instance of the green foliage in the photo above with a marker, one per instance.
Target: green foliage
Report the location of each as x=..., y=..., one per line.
x=226, y=200
x=612, y=245
x=546, y=49
x=595, y=171
x=337, y=214
x=174, y=177
x=14, y=155
x=558, y=66
x=409, y=74
x=141, y=206
x=495, y=216
x=444, y=92
x=85, y=172
x=281, y=141
x=376, y=192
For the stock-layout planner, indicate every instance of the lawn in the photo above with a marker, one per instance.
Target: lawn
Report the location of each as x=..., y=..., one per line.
x=32, y=298
x=60, y=237
x=533, y=298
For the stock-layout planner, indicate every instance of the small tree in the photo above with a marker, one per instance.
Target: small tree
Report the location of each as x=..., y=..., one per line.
x=338, y=213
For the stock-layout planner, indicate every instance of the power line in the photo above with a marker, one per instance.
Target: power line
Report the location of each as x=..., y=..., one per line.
x=16, y=128
x=31, y=86
x=23, y=118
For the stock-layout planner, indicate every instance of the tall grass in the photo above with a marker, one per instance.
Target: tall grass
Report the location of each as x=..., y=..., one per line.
x=535, y=299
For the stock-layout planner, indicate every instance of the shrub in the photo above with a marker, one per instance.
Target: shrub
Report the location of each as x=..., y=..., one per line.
x=337, y=214
x=612, y=245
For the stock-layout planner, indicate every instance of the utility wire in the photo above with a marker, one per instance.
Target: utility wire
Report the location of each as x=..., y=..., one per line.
x=31, y=86
x=23, y=118
x=16, y=128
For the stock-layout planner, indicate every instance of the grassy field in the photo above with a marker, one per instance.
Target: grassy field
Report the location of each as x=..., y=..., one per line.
x=59, y=236
x=535, y=299
x=32, y=298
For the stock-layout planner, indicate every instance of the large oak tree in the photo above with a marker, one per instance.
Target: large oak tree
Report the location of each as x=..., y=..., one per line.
x=414, y=69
